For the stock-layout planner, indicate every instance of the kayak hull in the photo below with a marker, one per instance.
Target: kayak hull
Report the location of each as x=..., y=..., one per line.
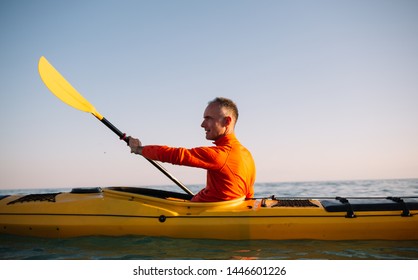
x=128, y=211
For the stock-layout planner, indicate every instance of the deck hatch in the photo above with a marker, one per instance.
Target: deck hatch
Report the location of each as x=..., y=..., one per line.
x=371, y=204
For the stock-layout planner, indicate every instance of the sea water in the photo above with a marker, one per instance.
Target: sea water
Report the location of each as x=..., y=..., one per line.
x=157, y=248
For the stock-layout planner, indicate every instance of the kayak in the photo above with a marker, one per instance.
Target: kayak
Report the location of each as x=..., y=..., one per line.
x=121, y=211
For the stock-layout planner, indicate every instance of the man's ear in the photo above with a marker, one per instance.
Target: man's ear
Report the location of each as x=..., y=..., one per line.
x=227, y=120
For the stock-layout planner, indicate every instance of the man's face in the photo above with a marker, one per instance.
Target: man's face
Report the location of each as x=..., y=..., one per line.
x=214, y=122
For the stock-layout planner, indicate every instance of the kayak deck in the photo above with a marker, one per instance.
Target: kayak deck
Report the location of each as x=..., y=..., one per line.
x=117, y=211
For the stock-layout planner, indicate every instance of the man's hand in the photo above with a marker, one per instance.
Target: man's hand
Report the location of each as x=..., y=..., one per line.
x=135, y=145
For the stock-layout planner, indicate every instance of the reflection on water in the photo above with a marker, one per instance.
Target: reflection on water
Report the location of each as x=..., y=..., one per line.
x=134, y=247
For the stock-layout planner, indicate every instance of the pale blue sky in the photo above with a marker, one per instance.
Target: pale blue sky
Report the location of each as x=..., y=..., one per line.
x=327, y=90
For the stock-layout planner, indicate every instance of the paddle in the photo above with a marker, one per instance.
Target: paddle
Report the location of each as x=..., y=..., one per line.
x=62, y=89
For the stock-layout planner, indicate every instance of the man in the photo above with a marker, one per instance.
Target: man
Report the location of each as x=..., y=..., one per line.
x=230, y=166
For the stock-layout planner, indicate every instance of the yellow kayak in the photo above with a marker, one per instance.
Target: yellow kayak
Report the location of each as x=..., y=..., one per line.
x=118, y=211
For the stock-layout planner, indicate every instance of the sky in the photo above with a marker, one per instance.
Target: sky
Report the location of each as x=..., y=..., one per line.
x=327, y=90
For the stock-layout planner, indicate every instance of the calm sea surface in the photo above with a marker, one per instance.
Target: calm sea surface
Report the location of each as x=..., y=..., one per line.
x=151, y=248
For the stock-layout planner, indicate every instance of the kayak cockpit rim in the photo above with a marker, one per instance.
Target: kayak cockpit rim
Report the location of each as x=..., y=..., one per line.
x=161, y=196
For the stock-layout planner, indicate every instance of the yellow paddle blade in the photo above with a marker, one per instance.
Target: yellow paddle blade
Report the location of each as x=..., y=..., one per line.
x=62, y=89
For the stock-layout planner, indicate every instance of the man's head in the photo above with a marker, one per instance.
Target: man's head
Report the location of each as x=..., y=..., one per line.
x=219, y=118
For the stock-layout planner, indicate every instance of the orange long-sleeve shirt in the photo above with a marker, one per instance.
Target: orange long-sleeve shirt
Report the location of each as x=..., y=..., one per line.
x=230, y=167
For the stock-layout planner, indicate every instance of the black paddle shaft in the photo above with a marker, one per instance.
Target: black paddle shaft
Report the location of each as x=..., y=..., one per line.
x=122, y=136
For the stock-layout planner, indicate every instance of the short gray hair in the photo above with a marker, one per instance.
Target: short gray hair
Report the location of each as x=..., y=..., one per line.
x=228, y=104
